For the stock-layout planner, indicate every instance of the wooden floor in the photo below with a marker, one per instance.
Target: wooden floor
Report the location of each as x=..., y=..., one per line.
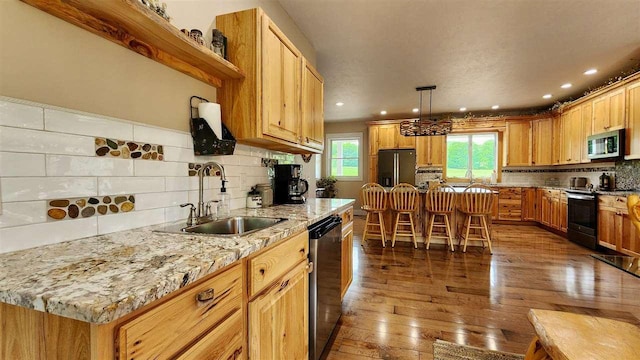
x=403, y=299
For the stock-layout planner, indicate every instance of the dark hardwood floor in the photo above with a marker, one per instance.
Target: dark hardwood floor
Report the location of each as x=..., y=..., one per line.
x=403, y=299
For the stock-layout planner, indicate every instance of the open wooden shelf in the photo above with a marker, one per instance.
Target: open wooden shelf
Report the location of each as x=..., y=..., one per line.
x=134, y=26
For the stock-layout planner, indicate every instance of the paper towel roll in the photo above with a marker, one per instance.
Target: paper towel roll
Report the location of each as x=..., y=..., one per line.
x=211, y=112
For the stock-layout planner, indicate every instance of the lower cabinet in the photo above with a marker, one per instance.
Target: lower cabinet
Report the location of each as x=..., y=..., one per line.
x=551, y=208
x=279, y=318
x=564, y=212
x=346, y=273
x=529, y=204
x=615, y=229
x=510, y=204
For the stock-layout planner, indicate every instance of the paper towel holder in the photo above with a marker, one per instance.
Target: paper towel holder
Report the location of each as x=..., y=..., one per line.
x=205, y=141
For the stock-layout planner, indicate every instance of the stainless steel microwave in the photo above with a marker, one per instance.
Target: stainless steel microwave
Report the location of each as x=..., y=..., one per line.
x=609, y=145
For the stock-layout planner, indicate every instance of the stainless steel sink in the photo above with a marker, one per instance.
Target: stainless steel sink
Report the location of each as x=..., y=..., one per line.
x=233, y=226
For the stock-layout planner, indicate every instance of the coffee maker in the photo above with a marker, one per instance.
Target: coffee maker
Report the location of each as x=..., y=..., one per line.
x=289, y=188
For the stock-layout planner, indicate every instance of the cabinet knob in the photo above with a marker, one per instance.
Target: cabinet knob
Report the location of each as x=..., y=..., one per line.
x=309, y=267
x=205, y=295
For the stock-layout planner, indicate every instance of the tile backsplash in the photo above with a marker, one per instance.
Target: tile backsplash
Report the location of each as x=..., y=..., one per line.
x=49, y=153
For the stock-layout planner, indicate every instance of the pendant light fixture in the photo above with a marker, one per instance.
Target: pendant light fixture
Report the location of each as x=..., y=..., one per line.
x=428, y=126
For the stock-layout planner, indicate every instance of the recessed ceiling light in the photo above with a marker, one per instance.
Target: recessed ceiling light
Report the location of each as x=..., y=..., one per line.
x=340, y=103
x=383, y=112
x=495, y=107
x=415, y=110
x=546, y=96
x=591, y=71
x=566, y=86
x=463, y=109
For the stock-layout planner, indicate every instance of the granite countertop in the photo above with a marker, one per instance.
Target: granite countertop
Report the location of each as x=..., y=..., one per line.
x=102, y=278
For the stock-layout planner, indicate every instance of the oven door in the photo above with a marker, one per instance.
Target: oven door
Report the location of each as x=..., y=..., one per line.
x=582, y=212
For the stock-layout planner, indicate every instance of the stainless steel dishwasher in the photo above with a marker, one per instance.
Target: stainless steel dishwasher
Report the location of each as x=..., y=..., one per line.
x=325, y=306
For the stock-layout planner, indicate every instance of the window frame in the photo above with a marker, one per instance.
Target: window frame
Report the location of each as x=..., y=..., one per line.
x=498, y=165
x=329, y=138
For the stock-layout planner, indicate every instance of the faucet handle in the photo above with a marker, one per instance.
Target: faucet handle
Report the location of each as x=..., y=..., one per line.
x=208, y=209
x=192, y=213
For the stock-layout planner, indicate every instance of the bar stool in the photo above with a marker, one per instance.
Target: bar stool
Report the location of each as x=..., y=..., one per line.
x=403, y=202
x=374, y=202
x=476, y=201
x=440, y=201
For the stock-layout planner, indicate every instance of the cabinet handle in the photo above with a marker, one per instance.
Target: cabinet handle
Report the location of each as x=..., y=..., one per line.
x=205, y=295
x=620, y=199
x=309, y=267
x=618, y=213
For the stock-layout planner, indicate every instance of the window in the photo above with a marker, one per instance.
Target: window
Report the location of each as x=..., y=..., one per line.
x=344, y=158
x=472, y=156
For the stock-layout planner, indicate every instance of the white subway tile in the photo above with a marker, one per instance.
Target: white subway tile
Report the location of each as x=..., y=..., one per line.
x=131, y=220
x=39, y=188
x=28, y=236
x=24, y=140
x=61, y=165
x=20, y=115
x=176, y=213
x=160, y=168
x=70, y=123
x=161, y=200
x=21, y=164
x=179, y=183
x=23, y=213
x=172, y=153
x=129, y=185
x=162, y=137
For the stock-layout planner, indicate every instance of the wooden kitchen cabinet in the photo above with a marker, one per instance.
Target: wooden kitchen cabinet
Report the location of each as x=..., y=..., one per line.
x=609, y=111
x=346, y=276
x=587, y=128
x=550, y=208
x=615, y=229
x=556, y=149
x=430, y=150
x=518, y=143
x=405, y=142
x=373, y=140
x=529, y=201
x=312, y=119
x=388, y=136
x=542, y=141
x=563, y=221
x=264, y=109
x=510, y=204
x=633, y=121
x=373, y=169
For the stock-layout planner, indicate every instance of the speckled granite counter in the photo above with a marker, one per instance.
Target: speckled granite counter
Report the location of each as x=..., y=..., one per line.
x=102, y=278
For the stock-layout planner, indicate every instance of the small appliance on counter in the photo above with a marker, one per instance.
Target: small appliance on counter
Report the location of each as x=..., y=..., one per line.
x=267, y=194
x=254, y=199
x=578, y=183
x=605, y=182
x=289, y=186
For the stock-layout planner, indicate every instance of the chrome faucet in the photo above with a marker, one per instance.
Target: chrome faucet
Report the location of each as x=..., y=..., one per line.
x=202, y=210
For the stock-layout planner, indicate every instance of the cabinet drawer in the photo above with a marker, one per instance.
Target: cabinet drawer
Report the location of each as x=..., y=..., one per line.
x=616, y=202
x=168, y=328
x=347, y=216
x=273, y=263
x=223, y=342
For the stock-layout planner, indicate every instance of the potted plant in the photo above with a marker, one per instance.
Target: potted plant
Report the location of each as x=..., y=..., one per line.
x=328, y=186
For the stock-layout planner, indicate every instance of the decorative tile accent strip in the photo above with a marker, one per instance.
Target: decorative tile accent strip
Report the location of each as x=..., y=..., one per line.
x=61, y=209
x=193, y=170
x=434, y=170
x=585, y=169
x=128, y=149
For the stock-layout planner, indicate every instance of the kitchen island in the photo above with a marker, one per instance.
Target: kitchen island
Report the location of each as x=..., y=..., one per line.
x=99, y=284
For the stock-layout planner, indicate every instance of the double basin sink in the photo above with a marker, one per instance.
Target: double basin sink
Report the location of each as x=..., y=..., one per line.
x=233, y=226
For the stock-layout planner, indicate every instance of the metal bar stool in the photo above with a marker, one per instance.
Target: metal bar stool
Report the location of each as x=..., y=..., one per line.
x=476, y=201
x=374, y=202
x=403, y=202
x=440, y=201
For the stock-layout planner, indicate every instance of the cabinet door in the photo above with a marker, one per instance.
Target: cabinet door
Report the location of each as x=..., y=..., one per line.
x=616, y=109
x=629, y=237
x=557, y=141
x=545, y=210
x=565, y=130
x=430, y=150
x=555, y=213
x=587, y=126
x=387, y=137
x=312, y=119
x=538, y=208
x=279, y=318
x=223, y=342
x=373, y=140
x=606, y=228
x=633, y=120
x=405, y=142
x=518, y=147
x=542, y=141
x=578, y=142
x=563, y=212
x=281, y=85
x=347, y=261
x=600, y=114
x=510, y=204
x=529, y=204
x=373, y=169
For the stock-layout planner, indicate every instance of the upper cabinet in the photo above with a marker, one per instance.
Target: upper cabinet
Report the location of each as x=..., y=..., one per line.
x=541, y=131
x=312, y=121
x=388, y=136
x=430, y=150
x=518, y=143
x=608, y=111
x=633, y=121
x=278, y=105
x=587, y=128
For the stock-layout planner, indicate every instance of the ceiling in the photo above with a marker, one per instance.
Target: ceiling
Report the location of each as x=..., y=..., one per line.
x=479, y=53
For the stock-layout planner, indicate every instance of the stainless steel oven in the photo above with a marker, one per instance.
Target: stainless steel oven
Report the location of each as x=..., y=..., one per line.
x=583, y=218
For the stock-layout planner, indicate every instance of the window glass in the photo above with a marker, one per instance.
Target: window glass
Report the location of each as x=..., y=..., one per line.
x=345, y=157
x=471, y=156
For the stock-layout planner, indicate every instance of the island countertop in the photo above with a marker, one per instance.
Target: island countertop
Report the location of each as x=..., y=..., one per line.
x=102, y=278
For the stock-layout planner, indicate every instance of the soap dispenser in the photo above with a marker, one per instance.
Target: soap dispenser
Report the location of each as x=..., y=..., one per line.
x=223, y=204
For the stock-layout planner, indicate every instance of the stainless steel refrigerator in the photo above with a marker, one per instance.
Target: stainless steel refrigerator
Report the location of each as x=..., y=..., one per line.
x=396, y=166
